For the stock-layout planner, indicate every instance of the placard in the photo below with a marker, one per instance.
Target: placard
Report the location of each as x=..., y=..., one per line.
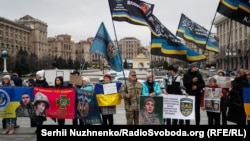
x=109, y=88
x=178, y=106
x=75, y=80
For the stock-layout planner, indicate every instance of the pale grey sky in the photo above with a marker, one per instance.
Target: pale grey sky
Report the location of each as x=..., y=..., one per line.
x=82, y=18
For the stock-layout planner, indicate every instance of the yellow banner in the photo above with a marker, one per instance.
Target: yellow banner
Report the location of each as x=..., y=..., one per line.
x=247, y=110
x=108, y=99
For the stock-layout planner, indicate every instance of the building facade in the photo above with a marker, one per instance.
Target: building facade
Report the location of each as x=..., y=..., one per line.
x=31, y=35
x=234, y=43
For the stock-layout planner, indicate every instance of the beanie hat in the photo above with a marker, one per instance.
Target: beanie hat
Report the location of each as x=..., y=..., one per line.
x=149, y=99
x=86, y=79
x=6, y=76
x=193, y=65
x=40, y=73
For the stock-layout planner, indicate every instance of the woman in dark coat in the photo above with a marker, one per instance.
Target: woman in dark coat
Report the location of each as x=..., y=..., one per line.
x=59, y=84
x=236, y=112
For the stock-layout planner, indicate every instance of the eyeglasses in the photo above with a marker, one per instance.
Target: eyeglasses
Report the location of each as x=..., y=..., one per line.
x=25, y=97
x=133, y=75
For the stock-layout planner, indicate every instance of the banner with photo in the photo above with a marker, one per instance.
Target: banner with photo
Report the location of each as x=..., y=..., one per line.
x=212, y=97
x=178, y=106
x=61, y=100
x=10, y=99
x=151, y=110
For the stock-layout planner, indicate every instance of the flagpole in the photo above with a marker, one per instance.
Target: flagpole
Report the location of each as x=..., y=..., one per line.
x=118, y=49
x=152, y=69
x=228, y=45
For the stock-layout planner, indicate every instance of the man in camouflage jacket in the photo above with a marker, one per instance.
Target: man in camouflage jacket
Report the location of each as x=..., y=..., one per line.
x=130, y=92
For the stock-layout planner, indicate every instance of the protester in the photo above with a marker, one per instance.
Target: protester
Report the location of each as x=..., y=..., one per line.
x=236, y=111
x=224, y=101
x=248, y=78
x=194, y=84
x=174, y=85
x=213, y=113
x=8, y=123
x=40, y=79
x=17, y=80
x=151, y=87
x=76, y=121
x=40, y=82
x=107, y=112
x=130, y=92
x=30, y=82
x=83, y=107
x=59, y=84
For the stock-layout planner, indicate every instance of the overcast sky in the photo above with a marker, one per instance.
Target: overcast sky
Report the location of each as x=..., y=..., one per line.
x=82, y=18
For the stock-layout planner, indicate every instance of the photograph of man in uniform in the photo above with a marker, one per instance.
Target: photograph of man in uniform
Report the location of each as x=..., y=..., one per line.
x=147, y=114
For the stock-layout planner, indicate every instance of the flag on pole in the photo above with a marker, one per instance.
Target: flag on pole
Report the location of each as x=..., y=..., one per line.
x=103, y=46
x=193, y=32
x=134, y=12
x=238, y=10
x=167, y=44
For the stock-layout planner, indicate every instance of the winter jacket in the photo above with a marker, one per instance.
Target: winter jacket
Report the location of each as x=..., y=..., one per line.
x=134, y=88
x=145, y=89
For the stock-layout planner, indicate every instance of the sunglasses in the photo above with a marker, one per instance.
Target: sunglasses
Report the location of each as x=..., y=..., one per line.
x=133, y=75
x=25, y=97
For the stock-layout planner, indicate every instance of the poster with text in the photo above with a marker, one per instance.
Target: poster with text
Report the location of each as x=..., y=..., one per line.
x=178, y=106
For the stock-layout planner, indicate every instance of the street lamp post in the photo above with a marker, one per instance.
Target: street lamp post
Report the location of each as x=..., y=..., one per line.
x=228, y=53
x=4, y=55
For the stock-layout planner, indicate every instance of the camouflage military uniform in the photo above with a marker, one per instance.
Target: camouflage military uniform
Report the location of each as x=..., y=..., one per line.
x=132, y=104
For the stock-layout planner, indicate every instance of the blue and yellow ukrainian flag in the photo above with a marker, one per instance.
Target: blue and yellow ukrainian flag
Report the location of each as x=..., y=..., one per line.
x=246, y=99
x=10, y=99
x=107, y=99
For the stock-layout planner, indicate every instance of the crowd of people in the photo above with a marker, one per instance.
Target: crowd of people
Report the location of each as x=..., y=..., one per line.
x=190, y=83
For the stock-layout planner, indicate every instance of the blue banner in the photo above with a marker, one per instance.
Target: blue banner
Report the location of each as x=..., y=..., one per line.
x=87, y=108
x=103, y=46
x=10, y=98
